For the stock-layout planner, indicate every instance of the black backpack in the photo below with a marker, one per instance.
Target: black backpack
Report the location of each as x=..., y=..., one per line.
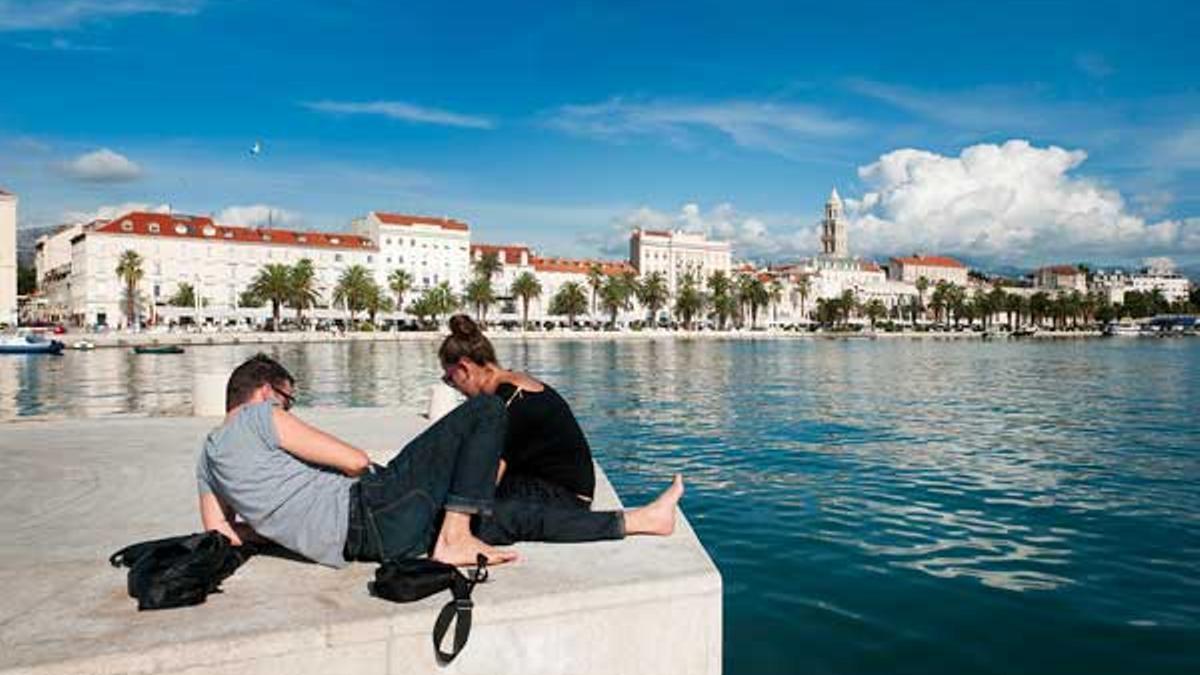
x=178, y=571
x=409, y=580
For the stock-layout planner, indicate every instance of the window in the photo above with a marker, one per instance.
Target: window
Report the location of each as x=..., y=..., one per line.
x=152, y=227
x=335, y=241
x=337, y=257
x=370, y=259
x=302, y=239
x=181, y=229
x=209, y=231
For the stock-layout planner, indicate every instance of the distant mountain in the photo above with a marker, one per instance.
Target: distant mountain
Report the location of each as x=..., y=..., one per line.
x=26, y=239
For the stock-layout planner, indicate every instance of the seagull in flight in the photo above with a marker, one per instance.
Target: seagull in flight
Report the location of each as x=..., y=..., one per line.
x=256, y=149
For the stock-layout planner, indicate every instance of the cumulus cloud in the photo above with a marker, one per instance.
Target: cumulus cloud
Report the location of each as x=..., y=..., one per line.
x=1010, y=203
x=102, y=166
x=750, y=236
x=20, y=15
x=257, y=215
x=110, y=211
x=752, y=124
x=400, y=110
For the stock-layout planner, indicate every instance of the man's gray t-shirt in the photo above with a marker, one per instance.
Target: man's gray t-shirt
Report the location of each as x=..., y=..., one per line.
x=301, y=506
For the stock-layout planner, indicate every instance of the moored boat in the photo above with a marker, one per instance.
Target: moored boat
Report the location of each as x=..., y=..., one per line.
x=1124, y=329
x=28, y=343
x=1025, y=331
x=158, y=349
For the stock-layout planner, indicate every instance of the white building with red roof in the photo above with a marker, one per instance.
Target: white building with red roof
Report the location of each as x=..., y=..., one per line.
x=676, y=254
x=1060, y=278
x=431, y=249
x=8, y=258
x=218, y=261
x=933, y=268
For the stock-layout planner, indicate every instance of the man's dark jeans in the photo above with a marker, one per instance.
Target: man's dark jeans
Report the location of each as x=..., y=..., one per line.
x=395, y=510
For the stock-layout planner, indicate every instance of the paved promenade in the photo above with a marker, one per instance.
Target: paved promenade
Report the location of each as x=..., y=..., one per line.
x=72, y=492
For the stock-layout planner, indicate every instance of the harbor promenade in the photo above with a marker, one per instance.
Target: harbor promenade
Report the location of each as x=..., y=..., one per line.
x=74, y=491
x=184, y=339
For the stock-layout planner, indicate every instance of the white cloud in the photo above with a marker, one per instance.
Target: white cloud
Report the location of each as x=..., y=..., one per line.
x=110, y=211
x=1180, y=148
x=257, y=215
x=102, y=166
x=61, y=44
x=20, y=15
x=752, y=124
x=399, y=110
x=1010, y=203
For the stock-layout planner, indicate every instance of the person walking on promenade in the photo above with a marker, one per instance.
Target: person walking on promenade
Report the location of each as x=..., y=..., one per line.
x=265, y=474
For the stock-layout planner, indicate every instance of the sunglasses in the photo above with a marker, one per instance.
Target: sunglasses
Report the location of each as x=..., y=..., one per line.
x=288, y=399
x=448, y=378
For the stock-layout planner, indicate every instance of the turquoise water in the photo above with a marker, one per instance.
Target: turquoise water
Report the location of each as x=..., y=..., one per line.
x=874, y=506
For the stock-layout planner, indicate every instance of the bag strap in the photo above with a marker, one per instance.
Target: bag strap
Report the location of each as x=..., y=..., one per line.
x=460, y=607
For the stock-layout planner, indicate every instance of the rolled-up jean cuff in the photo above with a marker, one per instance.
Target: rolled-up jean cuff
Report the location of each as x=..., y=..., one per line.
x=470, y=506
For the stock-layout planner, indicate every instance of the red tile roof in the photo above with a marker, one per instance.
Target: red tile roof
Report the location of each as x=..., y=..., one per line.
x=609, y=267
x=869, y=266
x=175, y=225
x=929, y=261
x=408, y=219
x=509, y=255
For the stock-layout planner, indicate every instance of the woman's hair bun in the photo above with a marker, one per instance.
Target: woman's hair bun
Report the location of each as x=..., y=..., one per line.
x=463, y=326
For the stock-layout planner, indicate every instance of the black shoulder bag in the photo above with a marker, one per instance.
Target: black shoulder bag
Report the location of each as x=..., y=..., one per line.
x=410, y=580
x=178, y=571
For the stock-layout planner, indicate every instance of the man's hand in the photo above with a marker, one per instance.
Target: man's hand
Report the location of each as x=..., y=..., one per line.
x=217, y=515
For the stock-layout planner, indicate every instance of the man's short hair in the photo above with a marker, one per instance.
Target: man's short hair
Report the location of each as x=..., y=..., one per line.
x=258, y=370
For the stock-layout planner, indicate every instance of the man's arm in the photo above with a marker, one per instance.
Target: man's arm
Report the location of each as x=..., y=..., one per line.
x=217, y=515
x=317, y=447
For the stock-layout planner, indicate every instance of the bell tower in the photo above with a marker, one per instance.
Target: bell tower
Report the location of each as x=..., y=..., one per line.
x=834, y=242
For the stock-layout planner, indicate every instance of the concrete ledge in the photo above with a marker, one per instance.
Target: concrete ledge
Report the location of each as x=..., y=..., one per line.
x=71, y=492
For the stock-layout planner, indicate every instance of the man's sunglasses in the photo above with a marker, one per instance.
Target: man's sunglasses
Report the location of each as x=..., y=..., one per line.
x=288, y=399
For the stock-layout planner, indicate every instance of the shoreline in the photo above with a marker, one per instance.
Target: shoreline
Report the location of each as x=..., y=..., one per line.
x=129, y=340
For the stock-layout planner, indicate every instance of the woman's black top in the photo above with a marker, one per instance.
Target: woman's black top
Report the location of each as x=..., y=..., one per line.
x=544, y=440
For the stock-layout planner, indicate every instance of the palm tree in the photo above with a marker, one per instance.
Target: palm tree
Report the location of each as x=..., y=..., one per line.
x=376, y=301
x=756, y=296
x=802, y=288
x=570, y=300
x=185, y=296
x=774, y=297
x=922, y=285
x=875, y=310
x=1013, y=304
x=719, y=287
x=526, y=287
x=400, y=282
x=303, y=287
x=653, y=294
x=614, y=297
x=848, y=304
x=741, y=294
x=1039, y=307
x=488, y=265
x=689, y=301
x=480, y=294
x=353, y=289
x=273, y=284
x=595, y=280
x=442, y=301
x=130, y=272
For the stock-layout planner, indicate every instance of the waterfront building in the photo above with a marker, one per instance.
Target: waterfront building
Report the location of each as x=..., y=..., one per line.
x=835, y=241
x=676, y=254
x=432, y=250
x=514, y=260
x=933, y=268
x=220, y=262
x=52, y=265
x=1114, y=284
x=8, y=258
x=1060, y=278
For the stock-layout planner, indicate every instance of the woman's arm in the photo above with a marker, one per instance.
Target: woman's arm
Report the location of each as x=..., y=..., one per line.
x=317, y=447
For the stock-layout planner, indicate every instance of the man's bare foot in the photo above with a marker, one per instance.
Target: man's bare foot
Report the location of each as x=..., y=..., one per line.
x=461, y=551
x=657, y=517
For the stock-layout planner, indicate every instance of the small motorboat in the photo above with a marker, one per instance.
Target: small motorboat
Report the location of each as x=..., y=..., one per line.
x=158, y=349
x=29, y=343
x=1025, y=331
x=83, y=345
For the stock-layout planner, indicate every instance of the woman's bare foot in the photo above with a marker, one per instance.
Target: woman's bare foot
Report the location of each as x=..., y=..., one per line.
x=657, y=517
x=461, y=551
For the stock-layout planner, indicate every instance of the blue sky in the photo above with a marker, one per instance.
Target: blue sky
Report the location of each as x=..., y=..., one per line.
x=562, y=124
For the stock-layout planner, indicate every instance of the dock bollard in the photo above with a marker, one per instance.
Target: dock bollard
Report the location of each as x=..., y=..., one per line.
x=442, y=399
x=208, y=394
